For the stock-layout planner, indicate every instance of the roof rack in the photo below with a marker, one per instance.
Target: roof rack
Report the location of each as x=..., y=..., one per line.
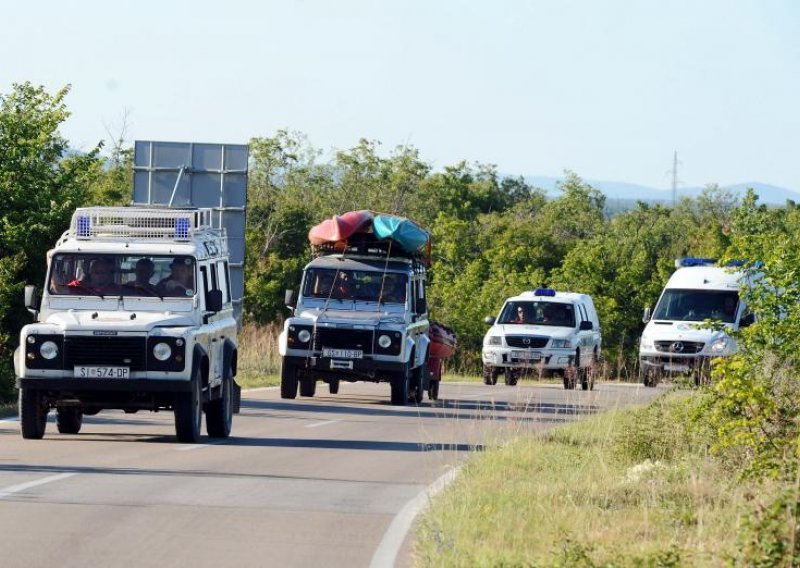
x=368, y=245
x=140, y=223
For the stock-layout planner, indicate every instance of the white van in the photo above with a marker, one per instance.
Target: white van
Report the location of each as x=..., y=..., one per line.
x=543, y=331
x=678, y=338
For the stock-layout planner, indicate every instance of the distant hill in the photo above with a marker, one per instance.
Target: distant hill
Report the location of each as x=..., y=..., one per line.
x=620, y=191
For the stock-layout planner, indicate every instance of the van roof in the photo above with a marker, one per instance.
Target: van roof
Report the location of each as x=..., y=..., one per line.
x=705, y=278
x=558, y=297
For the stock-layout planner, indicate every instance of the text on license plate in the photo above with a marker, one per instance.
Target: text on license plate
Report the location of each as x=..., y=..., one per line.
x=102, y=372
x=676, y=368
x=532, y=355
x=343, y=353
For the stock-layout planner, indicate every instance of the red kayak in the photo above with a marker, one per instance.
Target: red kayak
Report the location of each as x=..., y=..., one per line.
x=340, y=227
x=443, y=341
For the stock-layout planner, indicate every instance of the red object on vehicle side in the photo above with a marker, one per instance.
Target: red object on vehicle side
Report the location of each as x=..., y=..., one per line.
x=340, y=227
x=443, y=341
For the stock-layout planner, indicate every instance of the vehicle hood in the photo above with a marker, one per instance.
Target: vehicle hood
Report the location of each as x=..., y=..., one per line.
x=532, y=330
x=350, y=317
x=681, y=331
x=121, y=321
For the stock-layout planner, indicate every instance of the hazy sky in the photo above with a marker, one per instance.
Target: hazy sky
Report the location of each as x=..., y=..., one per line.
x=608, y=89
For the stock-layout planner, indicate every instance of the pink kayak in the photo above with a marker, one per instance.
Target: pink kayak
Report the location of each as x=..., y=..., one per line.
x=340, y=227
x=443, y=341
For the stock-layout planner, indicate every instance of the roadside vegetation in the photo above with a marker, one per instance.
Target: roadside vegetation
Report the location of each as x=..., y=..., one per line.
x=495, y=236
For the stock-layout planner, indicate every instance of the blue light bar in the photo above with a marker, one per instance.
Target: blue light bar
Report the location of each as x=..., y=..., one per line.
x=694, y=261
x=84, y=226
x=182, y=228
x=544, y=292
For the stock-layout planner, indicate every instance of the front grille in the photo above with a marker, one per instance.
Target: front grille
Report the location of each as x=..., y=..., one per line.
x=117, y=351
x=343, y=339
x=532, y=342
x=679, y=347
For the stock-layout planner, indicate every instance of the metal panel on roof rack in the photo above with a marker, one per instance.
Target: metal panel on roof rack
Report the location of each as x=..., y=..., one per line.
x=186, y=174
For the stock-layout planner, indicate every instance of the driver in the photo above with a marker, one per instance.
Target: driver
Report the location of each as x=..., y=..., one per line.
x=100, y=279
x=143, y=270
x=180, y=282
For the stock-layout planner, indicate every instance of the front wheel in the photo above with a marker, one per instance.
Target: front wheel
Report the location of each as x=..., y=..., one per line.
x=189, y=411
x=288, y=379
x=416, y=389
x=400, y=387
x=490, y=375
x=333, y=386
x=69, y=419
x=308, y=386
x=32, y=414
x=433, y=389
x=512, y=377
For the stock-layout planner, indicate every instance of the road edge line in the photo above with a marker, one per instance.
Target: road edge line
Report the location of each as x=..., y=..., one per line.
x=385, y=555
x=8, y=491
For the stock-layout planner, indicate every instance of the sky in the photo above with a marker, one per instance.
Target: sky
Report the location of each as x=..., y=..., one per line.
x=606, y=89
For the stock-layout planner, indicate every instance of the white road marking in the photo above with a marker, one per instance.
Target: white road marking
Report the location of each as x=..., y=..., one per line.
x=325, y=423
x=386, y=554
x=191, y=447
x=30, y=484
x=10, y=419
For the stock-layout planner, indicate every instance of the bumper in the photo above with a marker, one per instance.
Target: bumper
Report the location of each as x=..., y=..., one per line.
x=345, y=366
x=673, y=364
x=70, y=385
x=554, y=359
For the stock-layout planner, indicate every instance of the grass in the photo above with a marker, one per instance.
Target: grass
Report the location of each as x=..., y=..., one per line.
x=259, y=361
x=625, y=488
x=9, y=409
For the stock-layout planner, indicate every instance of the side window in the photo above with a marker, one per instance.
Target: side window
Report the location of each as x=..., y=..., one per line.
x=414, y=295
x=226, y=278
x=204, y=276
x=582, y=309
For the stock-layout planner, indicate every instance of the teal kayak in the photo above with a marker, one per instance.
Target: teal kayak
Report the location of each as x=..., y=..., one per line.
x=403, y=231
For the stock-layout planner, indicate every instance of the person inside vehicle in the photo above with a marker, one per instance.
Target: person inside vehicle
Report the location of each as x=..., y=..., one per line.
x=727, y=312
x=521, y=316
x=343, y=288
x=99, y=280
x=394, y=291
x=143, y=271
x=180, y=282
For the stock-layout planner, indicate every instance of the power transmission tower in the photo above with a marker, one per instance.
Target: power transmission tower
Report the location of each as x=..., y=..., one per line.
x=675, y=180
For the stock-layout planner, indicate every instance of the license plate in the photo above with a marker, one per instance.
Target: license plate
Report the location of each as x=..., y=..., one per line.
x=676, y=368
x=530, y=355
x=102, y=372
x=343, y=353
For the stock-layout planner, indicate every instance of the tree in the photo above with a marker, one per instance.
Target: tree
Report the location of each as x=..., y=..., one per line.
x=41, y=183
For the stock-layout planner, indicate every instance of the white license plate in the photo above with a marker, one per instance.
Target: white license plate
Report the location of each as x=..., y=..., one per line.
x=530, y=355
x=676, y=368
x=343, y=353
x=102, y=372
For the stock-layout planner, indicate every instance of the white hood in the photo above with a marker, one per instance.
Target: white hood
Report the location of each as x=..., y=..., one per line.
x=366, y=318
x=681, y=331
x=537, y=330
x=121, y=321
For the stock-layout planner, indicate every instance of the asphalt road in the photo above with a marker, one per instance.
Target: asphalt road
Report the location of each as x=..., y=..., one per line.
x=330, y=481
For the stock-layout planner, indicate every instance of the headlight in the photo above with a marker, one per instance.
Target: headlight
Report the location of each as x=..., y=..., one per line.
x=719, y=345
x=560, y=344
x=49, y=350
x=646, y=343
x=384, y=341
x=304, y=336
x=162, y=351
x=495, y=340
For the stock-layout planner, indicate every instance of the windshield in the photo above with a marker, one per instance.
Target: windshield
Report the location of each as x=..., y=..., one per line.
x=121, y=275
x=538, y=313
x=363, y=285
x=697, y=305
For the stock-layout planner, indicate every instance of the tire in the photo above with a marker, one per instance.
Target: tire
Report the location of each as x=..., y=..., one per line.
x=91, y=411
x=237, y=397
x=189, y=411
x=433, y=389
x=400, y=387
x=416, y=389
x=308, y=386
x=589, y=374
x=490, y=375
x=32, y=414
x=333, y=386
x=69, y=419
x=219, y=413
x=650, y=378
x=570, y=378
x=512, y=377
x=288, y=380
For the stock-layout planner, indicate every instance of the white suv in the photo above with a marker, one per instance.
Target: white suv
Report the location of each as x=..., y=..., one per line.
x=543, y=331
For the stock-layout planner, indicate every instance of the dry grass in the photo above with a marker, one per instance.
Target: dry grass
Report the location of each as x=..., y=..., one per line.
x=259, y=360
x=577, y=496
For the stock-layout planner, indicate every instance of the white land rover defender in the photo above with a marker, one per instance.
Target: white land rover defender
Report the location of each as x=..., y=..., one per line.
x=360, y=316
x=136, y=314
x=543, y=331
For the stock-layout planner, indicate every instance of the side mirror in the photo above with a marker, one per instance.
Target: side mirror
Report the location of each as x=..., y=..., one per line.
x=586, y=325
x=214, y=301
x=32, y=299
x=488, y=320
x=289, y=299
x=747, y=320
x=422, y=306
x=647, y=314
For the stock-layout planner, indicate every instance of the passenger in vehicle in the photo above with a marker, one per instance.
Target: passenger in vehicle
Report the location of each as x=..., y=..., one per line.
x=180, y=282
x=99, y=280
x=343, y=289
x=521, y=316
x=394, y=291
x=141, y=285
